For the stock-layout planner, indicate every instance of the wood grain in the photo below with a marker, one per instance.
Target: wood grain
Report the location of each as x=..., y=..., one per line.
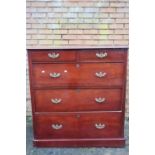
x=77, y=87
x=78, y=125
x=42, y=55
x=77, y=100
x=80, y=74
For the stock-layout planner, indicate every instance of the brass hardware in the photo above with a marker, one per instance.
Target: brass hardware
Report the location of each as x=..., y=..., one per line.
x=99, y=100
x=55, y=75
x=100, y=74
x=56, y=101
x=56, y=126
x=100, y=126
x=101, y=55
x=53, y=55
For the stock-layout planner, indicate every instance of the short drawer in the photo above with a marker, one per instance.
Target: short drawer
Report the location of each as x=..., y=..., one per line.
x=56, y=126
x=102, y=55
x=100, y=125
x=78, y=125
x=53, y=56
x=82, y=74
x=63, y=100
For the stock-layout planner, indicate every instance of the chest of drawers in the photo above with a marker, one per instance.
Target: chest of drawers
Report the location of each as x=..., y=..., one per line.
x=78, y=96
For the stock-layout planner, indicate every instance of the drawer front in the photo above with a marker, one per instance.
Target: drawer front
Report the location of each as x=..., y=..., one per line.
x=82, y=74
x=56, y=126
x=102, y=55
x=100, y=125
x=62, y=100
x=78, y=125
x=53, y=56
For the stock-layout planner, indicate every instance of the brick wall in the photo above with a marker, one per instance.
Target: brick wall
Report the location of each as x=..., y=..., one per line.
x=77, y=22
x=52, y=23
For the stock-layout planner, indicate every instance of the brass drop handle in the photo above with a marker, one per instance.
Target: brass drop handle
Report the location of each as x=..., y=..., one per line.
x=100, y=100
x=53, y=55
x=55, y=75
x=100, y=126
x=101, y=55
x=56, y=100
x=56, y=126
x=100, y=74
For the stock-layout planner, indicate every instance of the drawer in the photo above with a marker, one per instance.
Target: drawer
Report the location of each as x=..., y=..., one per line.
x=82, y=74
x=56, y=126
x=62, y=100
x=53, y=56
x=78, y=125
x=100, y=125
x=102, y=55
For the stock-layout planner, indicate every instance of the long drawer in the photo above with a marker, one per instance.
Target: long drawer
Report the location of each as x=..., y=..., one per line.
x=78, y=74
x=62, y=100
x=78, y=125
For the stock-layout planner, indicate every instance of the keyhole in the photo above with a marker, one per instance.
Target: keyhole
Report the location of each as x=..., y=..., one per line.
x=77, y=90
x=78, y=116
x=77, y=65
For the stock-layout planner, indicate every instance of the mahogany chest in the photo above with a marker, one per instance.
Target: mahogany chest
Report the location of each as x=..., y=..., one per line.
x=78, y=96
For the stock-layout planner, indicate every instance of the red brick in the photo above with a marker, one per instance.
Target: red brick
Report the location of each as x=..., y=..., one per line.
x=117, y=4
x=45, y=31
x=69, y=37
x=115, y=37
x=120, y=42
x=91, y=42
x=105, y=42
x=117, y=15
x=126, y=37
x=60, y=31
x=126, y=26
x=90, y=31
x=115, y=26
x=121, y=31
x=54, y=37
x=84, y=37
x=38, y=36
x=75, y=31
x=47, y=42
x=69, y=26
x=75, y=42
x=85, y=26
x=31, y=42
x=60, y=42
x=38, y=4
x=107, y=10
x=124, y=20
x=31, y=31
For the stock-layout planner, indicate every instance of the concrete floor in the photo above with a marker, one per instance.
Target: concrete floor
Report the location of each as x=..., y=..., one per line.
x=30, y=150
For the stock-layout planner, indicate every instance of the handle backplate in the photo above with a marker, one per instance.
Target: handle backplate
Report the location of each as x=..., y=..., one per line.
x=100, y=126
x=55, y=75
x=53, y=55
x=100, y=74
x=101, y=55
x=56, y=126
x=56, y=100
x=100, y=100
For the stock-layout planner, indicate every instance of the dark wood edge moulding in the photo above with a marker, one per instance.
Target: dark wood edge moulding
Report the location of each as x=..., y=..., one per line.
x=79, y=48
